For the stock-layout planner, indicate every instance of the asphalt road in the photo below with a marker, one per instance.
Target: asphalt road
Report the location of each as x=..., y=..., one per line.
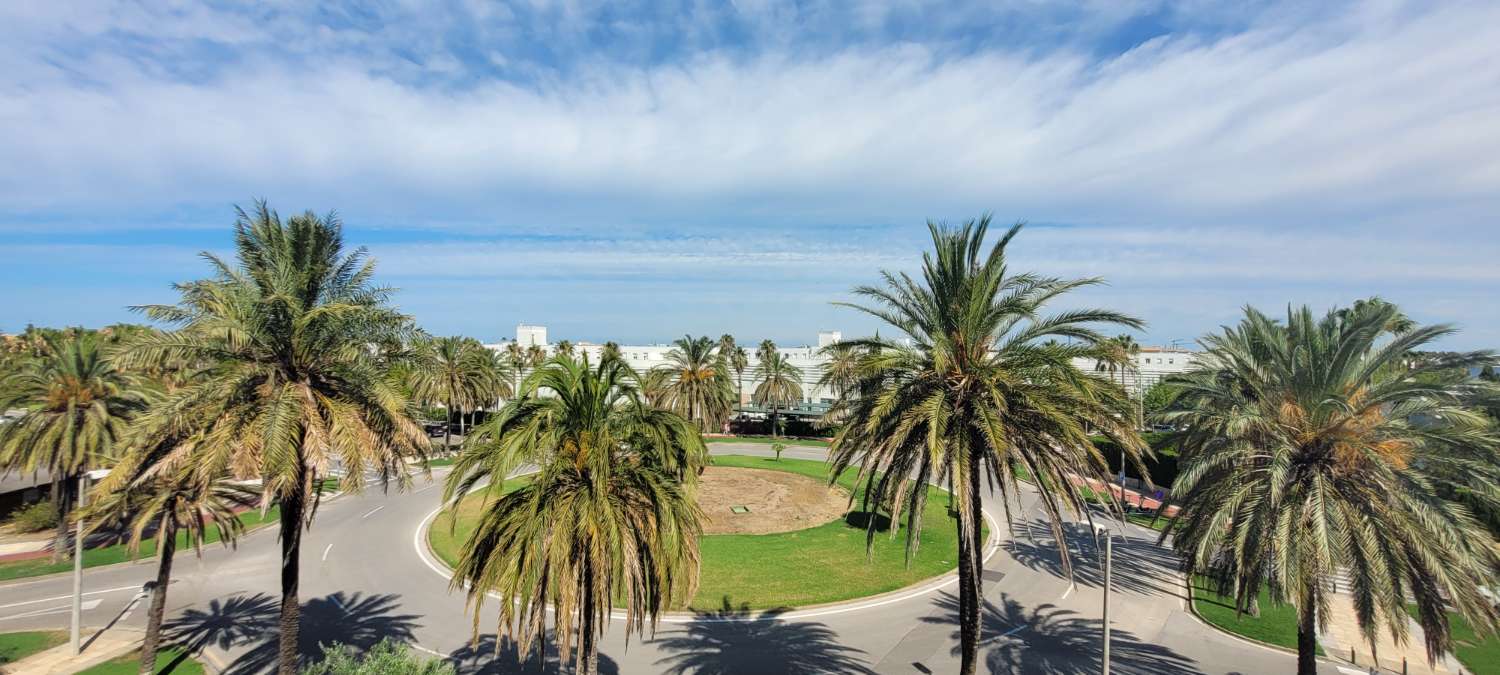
x=365, y=577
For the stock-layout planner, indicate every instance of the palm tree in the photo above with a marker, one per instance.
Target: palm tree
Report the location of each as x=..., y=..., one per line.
x=611, y=350
x=457, y=373
x=1305, y=452
x=974, y=395
x=163, y=499
x=780, y=384
x=515, y=362
x=740, y=362
x=565, y=348
x=536, y=355
x=694, y=382
x=298, y=387
x=77, y=406
x=607, y=519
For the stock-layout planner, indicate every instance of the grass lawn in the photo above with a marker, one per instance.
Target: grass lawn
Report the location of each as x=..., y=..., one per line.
x=17, y=646
x=767, y=440
x=167, y=661
x=1277, y=624
x=1145, y=520
x=440, y=461
x=1479, y=655
x=821, y=564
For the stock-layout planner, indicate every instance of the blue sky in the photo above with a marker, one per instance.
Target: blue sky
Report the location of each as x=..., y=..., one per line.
x=635, y=171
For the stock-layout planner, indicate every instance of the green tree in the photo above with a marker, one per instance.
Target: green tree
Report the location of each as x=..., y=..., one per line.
x=515, y=362
x=298, y=388
x=694, y=383
x=387, y=657
x=974, y=396
x=164, y=498
x=565, y=348
x=1306, y=453
x=780, y=383
x=457, y=373
x=78, y=405
x=611, y=350
x=607, y=519
x=1158, y=397
x=740, y=362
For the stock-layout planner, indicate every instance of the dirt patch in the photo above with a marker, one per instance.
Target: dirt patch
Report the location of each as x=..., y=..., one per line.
x=776, y=501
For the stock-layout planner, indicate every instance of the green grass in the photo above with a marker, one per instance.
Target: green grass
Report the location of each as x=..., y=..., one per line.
x=821, y=564
x=1145, y=520
x=17, y=646
x=173, y=661
x=440, y=461
x=1479, y=655
x=767, y=440
x=1276, y=625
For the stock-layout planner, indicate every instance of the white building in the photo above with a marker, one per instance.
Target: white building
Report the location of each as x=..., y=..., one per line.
x=1151, y=364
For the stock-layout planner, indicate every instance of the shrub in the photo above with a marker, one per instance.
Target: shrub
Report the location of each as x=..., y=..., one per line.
x=35, y=518
x=385, y=658
x=778, y=448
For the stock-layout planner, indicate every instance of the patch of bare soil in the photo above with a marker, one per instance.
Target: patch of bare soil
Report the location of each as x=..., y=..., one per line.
x=777, y=501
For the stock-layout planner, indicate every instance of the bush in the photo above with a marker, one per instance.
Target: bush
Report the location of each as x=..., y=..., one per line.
x=1163, y=469
x=35, y=518
x=385, y=658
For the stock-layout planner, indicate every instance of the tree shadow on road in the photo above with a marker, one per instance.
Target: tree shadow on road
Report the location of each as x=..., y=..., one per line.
x=1049, y=639
x=495, y=655
x=733, y=641
x=357, y=620
x=1140, y=565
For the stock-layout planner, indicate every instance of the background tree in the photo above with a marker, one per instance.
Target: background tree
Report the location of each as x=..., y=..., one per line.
x=77, y=405
x=608, y=518
x=536, y=355
x=611, y=350
x=516, y=361
x=457, y=373
x=565, y=348
x=694, y=383
x=977, y=397
x=1158, y=397
x=780, y=384
x=1306, y=453
x=297, y=390
x=740, y=362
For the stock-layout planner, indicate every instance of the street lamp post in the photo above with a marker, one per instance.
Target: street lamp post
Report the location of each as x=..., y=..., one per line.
x=76, y=624
x=1109, y=549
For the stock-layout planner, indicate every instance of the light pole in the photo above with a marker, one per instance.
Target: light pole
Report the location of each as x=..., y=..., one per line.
x=83, y=488
x=1109, y=549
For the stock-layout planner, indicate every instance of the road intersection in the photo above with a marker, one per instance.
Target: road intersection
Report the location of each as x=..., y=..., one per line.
x=367, y=576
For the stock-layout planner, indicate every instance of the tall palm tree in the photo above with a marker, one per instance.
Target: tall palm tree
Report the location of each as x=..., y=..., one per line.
x=695, y=382
x=974, y=395
x=611, y=350
x=298, y=388
x=608, y=518
x=536, y=355
x=739, y=360
x=77, y=407
x=780, y=384
x=457, y=373
x=515, y=361
x=162, y=499
x=565, y=348
x=1304, y=453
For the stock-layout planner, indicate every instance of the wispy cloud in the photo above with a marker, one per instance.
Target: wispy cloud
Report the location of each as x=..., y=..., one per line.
x=1245, y=152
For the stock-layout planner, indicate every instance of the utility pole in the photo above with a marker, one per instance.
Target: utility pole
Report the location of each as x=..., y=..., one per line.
x=1109, y=549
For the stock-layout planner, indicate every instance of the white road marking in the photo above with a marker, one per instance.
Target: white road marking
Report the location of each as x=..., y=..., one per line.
x=372, y=512
x=136, y=587
x=433, y=652
x=87, y=605
x=326, y=550
x=417, y=492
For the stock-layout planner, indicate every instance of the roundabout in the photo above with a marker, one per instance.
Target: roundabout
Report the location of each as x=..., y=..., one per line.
x=777, y=536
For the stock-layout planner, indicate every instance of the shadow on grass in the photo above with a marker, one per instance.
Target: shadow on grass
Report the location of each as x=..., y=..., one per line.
x=356, y=620
x=862, y=520
x=1049, y=639
x=734, y=641
x=495, y=655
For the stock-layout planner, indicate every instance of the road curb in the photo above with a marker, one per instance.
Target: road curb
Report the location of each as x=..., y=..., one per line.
x=422, y=543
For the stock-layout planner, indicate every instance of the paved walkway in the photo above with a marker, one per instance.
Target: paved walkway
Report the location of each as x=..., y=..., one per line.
x=1387, y=657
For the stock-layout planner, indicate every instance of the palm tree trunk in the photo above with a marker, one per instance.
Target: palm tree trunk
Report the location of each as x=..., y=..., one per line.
x=969, y=590
x=588, y=648
x=63, y=505
x=1307, y=635
x=291, y=552
x=168, y=539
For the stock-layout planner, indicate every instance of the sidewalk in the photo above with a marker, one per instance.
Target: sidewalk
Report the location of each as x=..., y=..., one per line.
x=1343, y=633
x=98, y=648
